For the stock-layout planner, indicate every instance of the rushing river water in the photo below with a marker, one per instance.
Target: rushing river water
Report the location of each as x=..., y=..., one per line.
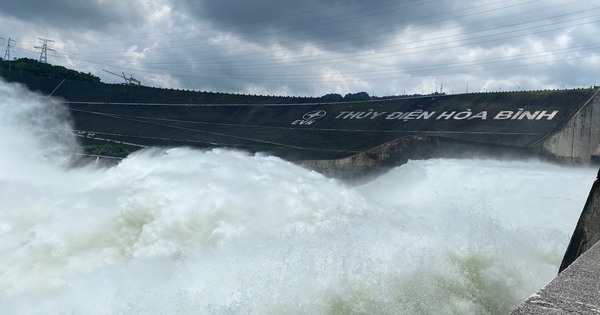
x=183, y=231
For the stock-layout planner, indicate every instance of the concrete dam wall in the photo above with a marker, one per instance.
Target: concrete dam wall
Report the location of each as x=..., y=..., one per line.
x=580, y=136
x=352, y=137
x=337, y=136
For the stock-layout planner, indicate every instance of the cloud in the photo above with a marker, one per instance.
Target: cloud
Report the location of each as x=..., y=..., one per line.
x=73, y=14
x=316, y=47
x=346, y=24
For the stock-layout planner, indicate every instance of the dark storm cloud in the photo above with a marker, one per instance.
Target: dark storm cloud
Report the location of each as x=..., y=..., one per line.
x=313, y=47
x=74, y=14
x=332, y=23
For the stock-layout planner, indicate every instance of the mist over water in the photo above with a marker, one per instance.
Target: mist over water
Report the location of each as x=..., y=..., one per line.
x=183, y=231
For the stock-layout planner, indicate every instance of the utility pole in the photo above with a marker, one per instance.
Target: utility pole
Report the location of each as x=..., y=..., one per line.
x=44, y=48
x=11, y=43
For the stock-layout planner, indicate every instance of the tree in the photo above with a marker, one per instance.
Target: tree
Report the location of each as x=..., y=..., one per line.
x=360, y=96
x=332, y=97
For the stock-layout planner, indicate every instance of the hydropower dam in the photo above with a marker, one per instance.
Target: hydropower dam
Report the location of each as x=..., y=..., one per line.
x=335, y=137
x=354, y=138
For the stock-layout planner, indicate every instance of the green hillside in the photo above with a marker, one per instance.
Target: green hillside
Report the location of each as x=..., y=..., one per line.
x=35, y=75
x=34, y=67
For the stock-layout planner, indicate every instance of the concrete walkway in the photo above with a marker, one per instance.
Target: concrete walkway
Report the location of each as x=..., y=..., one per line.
x=576, y=290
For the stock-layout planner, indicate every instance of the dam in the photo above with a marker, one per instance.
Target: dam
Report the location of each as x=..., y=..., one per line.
x=353, y=137
x=335, y=137
x=145, y=212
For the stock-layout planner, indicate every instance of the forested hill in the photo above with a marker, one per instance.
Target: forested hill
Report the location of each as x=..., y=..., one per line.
x=45, y=77
x=34, y=67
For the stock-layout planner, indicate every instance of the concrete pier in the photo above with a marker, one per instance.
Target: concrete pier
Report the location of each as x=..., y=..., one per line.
x=576, y=290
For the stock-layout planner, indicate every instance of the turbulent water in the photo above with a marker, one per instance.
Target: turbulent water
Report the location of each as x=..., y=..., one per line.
x=182, y=231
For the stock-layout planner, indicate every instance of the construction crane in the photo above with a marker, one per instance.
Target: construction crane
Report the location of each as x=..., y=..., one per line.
x=130, y=81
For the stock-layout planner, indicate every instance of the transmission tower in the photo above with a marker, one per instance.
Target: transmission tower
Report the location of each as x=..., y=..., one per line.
x=11, y=43
x=44, y=48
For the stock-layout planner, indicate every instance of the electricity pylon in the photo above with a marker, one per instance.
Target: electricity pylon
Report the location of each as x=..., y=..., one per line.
x=11, y=43
x=44, y=48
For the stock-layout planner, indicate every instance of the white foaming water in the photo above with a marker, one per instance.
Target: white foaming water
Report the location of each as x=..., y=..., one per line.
x=183, y=231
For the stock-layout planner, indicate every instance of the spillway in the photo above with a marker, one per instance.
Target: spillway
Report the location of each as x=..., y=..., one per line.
x=221, y=231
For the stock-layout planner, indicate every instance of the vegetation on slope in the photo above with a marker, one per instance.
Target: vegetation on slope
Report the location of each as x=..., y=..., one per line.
x=29, y=67
x=34, y=67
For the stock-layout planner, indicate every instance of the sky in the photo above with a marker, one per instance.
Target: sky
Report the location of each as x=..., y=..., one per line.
x=315, y=47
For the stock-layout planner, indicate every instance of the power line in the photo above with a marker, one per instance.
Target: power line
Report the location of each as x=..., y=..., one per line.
x=419, y=44
x=402, y=51
x=455, y=43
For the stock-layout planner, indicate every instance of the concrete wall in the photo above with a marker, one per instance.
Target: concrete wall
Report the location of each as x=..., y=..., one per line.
x=587, y=231
x=376, y=160
x=579, y=138
x=576, y=289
